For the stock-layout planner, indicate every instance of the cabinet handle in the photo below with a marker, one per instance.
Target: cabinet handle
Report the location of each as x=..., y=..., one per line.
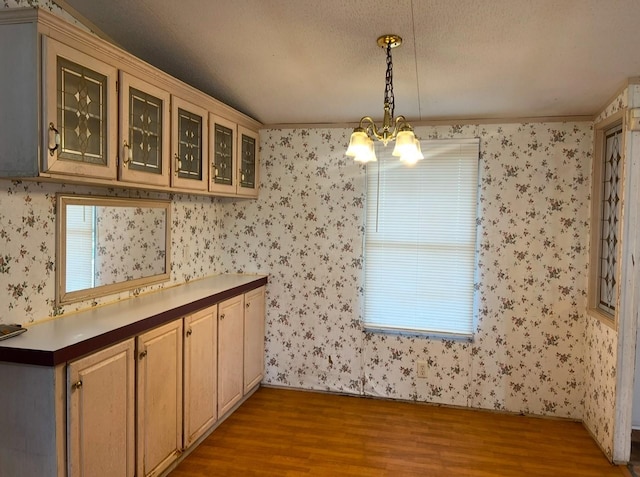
x=76, y=385
x=127, y=153
x=143, y=354
x=222, y=316
x=54, y=139
x=247, y=305
x=189, y=332
x=178, y=165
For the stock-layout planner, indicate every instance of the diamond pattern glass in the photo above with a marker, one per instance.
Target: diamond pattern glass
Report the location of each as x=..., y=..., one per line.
x=189, y=145
x=81, y=98
x=223, y=172
x=248, y=163
x=609, y=220
x=145, y=131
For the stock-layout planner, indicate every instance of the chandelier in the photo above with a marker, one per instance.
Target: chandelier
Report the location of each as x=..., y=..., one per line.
x=407, y=147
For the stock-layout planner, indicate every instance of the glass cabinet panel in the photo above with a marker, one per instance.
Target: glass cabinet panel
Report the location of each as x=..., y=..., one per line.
x=80, y=113
x=82, y=122
x=144, y=129
x=223, y=166
x=190, y=145
x=248, y=162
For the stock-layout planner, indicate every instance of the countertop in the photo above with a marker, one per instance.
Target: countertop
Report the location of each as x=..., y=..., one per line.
x=63, y=339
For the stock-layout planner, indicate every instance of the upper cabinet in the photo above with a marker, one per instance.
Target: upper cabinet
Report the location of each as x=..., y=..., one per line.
x=77, y=109
x=189, y=139
x=79, y=113
x=144, y=132
x=248, y=143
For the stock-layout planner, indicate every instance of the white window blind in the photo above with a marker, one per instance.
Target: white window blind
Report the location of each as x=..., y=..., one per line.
x=80, y=246
x=420, y=240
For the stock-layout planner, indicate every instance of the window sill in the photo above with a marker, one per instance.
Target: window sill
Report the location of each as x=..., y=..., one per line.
x=443, y=335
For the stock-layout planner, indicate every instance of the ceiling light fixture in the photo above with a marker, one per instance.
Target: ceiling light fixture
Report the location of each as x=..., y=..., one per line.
x=407, y=147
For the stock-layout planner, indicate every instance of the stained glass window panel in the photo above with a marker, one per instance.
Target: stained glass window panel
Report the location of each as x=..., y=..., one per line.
x=223, y=155
x=189, y=145
x=145, y=131
x=248, y=162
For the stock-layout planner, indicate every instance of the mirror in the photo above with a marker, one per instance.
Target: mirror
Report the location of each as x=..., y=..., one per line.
x=109, y=244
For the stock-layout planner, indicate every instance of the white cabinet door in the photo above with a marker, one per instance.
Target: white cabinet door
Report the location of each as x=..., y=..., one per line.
x=248, y=162
x=159, y=398
x=223, y=154
x=80, y=113
x=144, y=132
x=254, y=316
x=100, y=396
x=200, y=373
x=189, y=144
x=230, y=352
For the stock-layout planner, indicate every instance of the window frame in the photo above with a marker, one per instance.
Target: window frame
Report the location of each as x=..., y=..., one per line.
x=426, y=331
x=597, y=171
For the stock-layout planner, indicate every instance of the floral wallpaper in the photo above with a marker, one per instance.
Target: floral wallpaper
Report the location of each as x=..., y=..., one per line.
x=27, y=246
x=130, y=243
x=306, y=231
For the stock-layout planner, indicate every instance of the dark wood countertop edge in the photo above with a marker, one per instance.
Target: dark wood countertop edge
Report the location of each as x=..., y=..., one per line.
x=69, y=353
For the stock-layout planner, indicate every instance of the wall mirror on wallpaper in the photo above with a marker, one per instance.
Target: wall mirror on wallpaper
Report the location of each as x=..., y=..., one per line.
x=108, y=244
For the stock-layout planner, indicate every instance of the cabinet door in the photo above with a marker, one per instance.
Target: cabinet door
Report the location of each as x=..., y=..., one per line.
x=200, y=373
x=144, y=132
x=101, y=413
x=189, y=145
x=248, y=162
x=223, y=155
x=159, y=398
x=254, y=316
x=80, y=115
x=230, y=353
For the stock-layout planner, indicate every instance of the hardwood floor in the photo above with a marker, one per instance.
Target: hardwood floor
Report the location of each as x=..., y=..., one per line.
x=289, y=433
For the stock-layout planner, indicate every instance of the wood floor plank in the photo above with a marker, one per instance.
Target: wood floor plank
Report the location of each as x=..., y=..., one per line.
x=296, y=433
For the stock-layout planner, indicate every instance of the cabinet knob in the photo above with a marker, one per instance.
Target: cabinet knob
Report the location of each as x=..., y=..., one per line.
x=54, y=139
x=76, y=385
x=189, y=332
x=247, y=305
x=222, y=316
x=143, y=354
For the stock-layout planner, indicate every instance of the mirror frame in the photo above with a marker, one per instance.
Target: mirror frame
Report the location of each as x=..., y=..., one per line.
x=62, y=200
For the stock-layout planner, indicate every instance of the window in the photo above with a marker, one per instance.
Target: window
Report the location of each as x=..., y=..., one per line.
x=420, y=240
x=605, y=230
x=81, y=245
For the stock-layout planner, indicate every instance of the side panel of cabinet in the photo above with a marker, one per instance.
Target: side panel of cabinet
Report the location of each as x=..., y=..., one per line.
x=80, y=113
x=200, y=372
x=189, y=145
x=19, y=82
x=101, y=413
x=144, y=132
x=248, y=162
x=223, y=153
x=254, y=316
x=159, y=398
x=230, y=354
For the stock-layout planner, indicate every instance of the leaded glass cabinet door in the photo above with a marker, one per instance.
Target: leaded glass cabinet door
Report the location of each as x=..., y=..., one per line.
x=189, y=145
x=248, y=162
x=80, y=113
x=223, y=154
x=143, y=155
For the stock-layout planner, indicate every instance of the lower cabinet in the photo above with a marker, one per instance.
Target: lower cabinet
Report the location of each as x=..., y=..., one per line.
x=230, y=352
x=254, y=316
x=200, y=373
x=101, y=413
x=135, y=406
x=159, y=398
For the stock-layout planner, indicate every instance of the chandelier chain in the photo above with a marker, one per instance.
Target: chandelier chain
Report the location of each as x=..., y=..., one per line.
x=388, y=89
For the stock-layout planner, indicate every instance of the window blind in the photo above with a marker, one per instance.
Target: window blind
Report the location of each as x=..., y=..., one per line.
x=80, y=246
x=420, y=240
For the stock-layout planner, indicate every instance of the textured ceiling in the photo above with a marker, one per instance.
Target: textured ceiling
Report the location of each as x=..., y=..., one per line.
x=299, y=61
